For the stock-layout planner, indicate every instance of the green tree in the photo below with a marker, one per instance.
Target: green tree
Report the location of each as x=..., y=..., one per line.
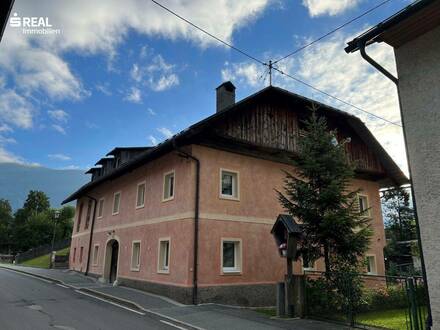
x=318, y=195
x=5, y=225
x=36, y=202
x=31, y=221
x=400, y=228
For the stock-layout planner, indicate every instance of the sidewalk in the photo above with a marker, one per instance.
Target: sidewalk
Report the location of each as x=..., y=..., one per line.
x=205, y=316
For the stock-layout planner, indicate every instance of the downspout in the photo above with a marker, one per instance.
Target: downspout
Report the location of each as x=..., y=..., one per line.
x=196, y=222
x=381, y=69
x=95, y=203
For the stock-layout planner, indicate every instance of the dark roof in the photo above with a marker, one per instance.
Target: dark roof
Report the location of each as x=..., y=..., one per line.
x=104, y=160
x=418, y=18
x=93, y=169
x=179, y=139
x=118, y=149
x=289, y=223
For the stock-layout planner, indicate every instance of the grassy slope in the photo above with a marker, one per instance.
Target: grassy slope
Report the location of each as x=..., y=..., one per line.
x=43, y=261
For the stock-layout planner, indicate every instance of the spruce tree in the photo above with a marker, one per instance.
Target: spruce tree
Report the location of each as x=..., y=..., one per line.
x=318, y=195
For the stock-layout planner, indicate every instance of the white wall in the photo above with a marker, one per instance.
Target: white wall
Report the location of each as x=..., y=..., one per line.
x=418, y=65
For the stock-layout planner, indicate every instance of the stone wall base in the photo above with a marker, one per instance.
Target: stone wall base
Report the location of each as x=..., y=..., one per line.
x=239, y=295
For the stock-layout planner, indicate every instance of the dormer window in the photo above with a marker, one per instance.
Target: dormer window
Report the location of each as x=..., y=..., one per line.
x=117, y=162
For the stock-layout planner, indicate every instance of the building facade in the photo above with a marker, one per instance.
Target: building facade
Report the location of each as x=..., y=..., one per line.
x=191, y=217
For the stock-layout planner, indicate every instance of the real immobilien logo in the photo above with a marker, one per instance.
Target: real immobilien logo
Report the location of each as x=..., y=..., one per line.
x=33, y=24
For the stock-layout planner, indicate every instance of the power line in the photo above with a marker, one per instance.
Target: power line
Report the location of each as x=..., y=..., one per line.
x=334, y=97
x=332, y=31
x=270, y=65
x=208, y=33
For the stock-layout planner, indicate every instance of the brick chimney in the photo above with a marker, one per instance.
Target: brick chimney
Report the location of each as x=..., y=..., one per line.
x=225, y=95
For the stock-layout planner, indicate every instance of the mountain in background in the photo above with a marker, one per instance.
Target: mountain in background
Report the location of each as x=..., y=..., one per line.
x=16, y=180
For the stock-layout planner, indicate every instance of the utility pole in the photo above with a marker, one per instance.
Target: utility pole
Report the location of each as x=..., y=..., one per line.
x=270, y=72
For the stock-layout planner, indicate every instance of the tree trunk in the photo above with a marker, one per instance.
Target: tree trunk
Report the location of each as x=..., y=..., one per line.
x=327, y=260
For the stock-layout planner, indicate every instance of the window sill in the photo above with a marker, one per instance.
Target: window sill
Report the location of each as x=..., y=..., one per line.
x=134, y=269
x=140, y=207
x=163, y=271
x=229, y=198
x=231, y=272
x=167, y=199
x=99, y=218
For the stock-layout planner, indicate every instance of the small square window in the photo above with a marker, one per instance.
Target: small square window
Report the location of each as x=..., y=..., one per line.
x=95, y=254
x=231, y=256
x=101, y=208
x=168, y=186
x=363, y=205
x=164, y=256
x=370, y=262
x=308, y=264
x=116, y=202
x=136, y=256
x=140, y=195
x=229, y=184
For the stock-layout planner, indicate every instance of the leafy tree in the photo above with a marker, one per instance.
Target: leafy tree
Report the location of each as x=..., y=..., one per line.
x=5, y=225
x=318, y=195
x=36, y=202
x=400, y=227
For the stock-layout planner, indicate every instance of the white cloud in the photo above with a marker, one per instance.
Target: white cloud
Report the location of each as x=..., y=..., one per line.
x=60, y=129
x=244, y=73
x=61, y=157
x=134, y=95
x=104, y=89
x=59, y=115
x=347, y=76
x=5, y=128
x=153, y=140
x=154, y=73
x=329, y=7
x=149, y=110
x=15, y=109
x=165, y=132
x=9, y=157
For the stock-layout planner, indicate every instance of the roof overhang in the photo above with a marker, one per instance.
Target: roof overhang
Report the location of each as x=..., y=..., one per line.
x=406, y=25
x=188, y=136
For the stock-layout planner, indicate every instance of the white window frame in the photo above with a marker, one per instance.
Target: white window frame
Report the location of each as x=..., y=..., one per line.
x=238, y=256
x=235, y=197
x=144, y=183
x=135, y=268
x=160, y=269
x=95, y=254
x=119, y=204
x=101, y=200
x=368, y=213
x=169, y=198
x=374, y=272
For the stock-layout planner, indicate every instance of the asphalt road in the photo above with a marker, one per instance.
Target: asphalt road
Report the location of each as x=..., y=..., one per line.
x=30, y=303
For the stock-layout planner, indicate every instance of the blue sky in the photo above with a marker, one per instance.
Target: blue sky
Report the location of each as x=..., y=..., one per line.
x=127, y=73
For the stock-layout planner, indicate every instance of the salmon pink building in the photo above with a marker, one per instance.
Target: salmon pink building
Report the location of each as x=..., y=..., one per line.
x=191, y=217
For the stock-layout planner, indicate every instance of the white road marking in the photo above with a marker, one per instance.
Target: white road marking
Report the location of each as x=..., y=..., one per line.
x=111, y=302
x=63, y=286
x=173, y=325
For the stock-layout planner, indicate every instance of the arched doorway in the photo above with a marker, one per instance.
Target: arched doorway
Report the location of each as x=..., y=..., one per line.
x=111, y=261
